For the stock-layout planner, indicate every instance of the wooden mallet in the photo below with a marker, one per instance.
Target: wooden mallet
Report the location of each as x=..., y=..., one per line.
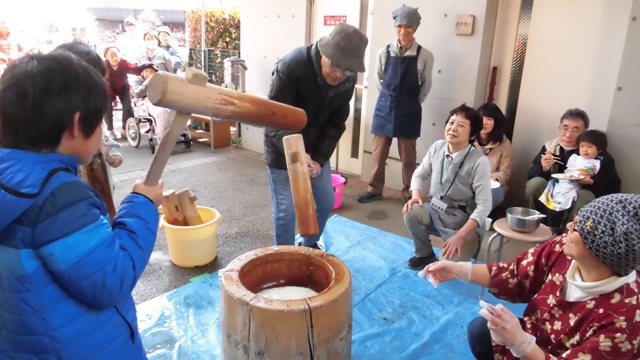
x=300, y=182
x=192, y=95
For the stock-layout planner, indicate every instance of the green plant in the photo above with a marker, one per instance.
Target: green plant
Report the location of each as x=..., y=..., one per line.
x=222, y=29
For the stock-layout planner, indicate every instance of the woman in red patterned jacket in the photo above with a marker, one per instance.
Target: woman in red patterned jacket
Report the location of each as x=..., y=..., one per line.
x=582, y=290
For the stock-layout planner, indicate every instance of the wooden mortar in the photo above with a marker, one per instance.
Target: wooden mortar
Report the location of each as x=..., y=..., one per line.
x=317, y=327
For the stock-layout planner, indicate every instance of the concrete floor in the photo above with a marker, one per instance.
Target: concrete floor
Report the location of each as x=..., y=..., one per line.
x=234, y=182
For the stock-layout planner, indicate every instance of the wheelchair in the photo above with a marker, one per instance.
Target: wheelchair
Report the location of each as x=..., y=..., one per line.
x=144, y=124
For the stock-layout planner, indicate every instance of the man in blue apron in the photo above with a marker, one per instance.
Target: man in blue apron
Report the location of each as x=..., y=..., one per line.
x=404, y=80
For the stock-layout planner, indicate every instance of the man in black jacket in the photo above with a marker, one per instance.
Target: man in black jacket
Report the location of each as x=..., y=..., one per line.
x=320, y=79
x=552, y=158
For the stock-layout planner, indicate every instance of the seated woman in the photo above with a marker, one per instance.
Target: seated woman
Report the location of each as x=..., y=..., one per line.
x=497, y=148
x=140, y=88
x=581, y=288
x=459, y=199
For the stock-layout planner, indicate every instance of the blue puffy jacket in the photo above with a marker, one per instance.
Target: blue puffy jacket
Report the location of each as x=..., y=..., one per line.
x=66, y=273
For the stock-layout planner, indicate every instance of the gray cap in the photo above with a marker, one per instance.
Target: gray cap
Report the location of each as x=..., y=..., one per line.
x=345, y=47
x=610, y=228
x=407, y=15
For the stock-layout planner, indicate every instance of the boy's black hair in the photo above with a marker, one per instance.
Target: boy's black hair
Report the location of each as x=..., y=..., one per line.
x=85, y=53
x=499, y=120
x=596, y=137
x=474, y=118
x=39, y=96
x=576, y=113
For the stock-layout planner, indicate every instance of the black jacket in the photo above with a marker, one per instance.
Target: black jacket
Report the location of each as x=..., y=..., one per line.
x=297, y=80
x=606, y=181
x=558, y=151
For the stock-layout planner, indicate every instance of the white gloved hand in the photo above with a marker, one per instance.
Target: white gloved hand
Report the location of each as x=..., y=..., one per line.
x=445, y=270
x=506, y=330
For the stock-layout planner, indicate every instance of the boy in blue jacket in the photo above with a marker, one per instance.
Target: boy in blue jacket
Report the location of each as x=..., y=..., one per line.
x=66, y=273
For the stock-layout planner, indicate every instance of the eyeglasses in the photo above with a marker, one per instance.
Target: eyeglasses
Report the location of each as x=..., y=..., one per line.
x=574, y=131
x=338, y=69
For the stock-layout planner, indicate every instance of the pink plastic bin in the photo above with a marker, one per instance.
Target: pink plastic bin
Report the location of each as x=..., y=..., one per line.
x=338, y=182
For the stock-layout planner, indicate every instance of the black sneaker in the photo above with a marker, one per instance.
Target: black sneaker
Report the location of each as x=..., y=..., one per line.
x=314, y=246
x=369, y=197
x=419, y=262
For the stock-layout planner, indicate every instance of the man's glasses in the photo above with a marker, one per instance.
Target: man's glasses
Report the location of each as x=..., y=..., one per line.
x=338, y=69
x=573, y=131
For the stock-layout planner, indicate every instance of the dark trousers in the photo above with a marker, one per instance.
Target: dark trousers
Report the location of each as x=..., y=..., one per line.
x=480, y=339
x=127, y=111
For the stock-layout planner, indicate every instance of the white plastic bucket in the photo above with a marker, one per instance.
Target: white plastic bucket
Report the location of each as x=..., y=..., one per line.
x=196, y=245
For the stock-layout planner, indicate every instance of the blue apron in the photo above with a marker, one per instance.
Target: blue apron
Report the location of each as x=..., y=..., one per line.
x=398, y=111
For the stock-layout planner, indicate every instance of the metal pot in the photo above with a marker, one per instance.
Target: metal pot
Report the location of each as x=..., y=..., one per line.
x=517, y=219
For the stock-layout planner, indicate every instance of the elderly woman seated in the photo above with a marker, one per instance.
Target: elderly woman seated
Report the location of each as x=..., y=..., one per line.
x=581, y=288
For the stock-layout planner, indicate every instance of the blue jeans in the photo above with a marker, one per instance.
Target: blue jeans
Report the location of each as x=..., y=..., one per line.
x=497, y=196
x=284, y=215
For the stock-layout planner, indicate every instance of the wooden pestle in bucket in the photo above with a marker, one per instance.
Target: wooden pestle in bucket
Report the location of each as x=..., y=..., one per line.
x=180, y=208
x=187, y=202
x=172, y=212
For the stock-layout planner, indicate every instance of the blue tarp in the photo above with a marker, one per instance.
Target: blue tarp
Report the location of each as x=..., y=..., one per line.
x=396, y=314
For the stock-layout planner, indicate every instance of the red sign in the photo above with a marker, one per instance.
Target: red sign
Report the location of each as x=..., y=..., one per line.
x=333, y=20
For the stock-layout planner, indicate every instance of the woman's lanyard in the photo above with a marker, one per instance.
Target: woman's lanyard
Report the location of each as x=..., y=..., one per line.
x=454, y=176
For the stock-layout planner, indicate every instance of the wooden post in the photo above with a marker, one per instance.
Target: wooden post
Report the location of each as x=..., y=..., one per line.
x=303, y=201
x=187, y=202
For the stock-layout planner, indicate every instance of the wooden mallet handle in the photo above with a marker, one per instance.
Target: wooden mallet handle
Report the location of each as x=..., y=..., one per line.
x=305, y=206
x=177, y=123
x=182, y=94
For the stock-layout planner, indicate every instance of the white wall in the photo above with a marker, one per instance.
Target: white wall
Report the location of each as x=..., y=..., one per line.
x=624, y=123
x=573, y=58
x=458, y=75
x=268, y=31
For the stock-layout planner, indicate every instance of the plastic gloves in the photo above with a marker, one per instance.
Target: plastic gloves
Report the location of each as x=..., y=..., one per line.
x=446, y=270
x=506, y=330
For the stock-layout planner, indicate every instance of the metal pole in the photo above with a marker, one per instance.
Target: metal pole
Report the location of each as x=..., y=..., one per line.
x=203, y=42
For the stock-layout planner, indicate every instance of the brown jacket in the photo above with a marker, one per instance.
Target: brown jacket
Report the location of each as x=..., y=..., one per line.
x=499, y=155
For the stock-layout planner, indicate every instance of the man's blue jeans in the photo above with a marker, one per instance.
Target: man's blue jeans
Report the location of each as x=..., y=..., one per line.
x=284, y=215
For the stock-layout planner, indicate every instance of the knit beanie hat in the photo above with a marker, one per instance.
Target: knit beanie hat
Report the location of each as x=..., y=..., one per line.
x=407, y=15
x=610, y=228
